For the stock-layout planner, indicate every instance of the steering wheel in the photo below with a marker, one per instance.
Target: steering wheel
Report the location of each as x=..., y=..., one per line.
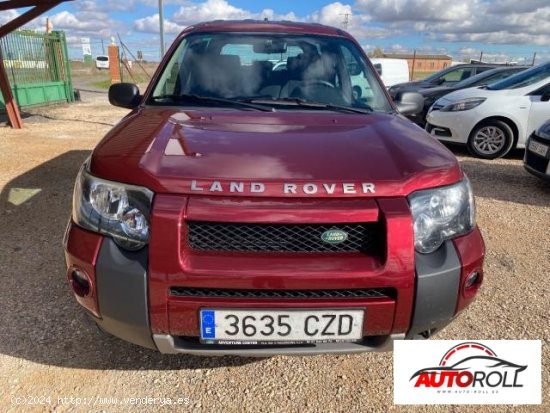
x=319, y=82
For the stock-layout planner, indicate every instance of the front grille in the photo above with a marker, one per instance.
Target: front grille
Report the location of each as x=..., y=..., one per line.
x=239, y=237
x=281, y=294
x=437, y=106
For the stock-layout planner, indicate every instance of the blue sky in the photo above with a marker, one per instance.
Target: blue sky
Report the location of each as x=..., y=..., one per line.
x=502, y=29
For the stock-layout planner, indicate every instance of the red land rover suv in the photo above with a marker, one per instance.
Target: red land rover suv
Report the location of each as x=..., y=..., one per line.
x=252, y=204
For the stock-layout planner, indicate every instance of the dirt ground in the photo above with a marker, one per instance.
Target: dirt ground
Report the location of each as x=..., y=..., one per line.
x=48, y=347
x=88, y=77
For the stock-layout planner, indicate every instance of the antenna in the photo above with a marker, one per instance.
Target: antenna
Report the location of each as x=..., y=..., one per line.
x=161, y=29
x=345, y=20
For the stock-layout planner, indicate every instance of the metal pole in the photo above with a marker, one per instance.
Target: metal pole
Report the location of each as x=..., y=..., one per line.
x=11, y=105
x=414, y=62
x=124, y=47
x=161, y=26
x=481, y=57
x=103, y=47
x=534, y=57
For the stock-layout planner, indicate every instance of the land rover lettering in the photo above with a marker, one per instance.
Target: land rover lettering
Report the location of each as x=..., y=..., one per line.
x=284, y=188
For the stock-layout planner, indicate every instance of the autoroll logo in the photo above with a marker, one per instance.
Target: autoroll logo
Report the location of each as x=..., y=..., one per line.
x=469, y=372
x=470, y=365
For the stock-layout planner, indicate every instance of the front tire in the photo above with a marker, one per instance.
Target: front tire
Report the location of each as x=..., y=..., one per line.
x=491, y=139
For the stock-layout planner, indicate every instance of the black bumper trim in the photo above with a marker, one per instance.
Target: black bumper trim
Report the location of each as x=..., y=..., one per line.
x=437, y=289
x=536, y=173
x=282, y=294
x=173, y=345
x=121, y=278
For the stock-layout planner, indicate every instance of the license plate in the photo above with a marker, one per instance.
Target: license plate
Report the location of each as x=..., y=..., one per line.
x=245, y=326
x=538, y=148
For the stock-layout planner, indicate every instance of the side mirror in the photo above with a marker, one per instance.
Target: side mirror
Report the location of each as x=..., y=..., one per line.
x=410, y=103
x=125, y=95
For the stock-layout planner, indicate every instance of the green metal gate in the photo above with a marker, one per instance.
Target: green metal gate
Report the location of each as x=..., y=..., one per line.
x=37, y=66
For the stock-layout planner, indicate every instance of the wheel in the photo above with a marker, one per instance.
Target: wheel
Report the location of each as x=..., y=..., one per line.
x=491, y=139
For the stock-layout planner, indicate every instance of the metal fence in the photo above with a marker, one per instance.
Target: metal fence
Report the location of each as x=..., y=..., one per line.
x=38, y=68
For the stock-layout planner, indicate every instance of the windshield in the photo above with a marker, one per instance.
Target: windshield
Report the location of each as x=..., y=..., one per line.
x=487, y=77
x=272, y=68
x=437, y=75
x=522, y=79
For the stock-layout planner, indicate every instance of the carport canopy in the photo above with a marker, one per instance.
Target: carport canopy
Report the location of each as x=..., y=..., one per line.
x=35, y=9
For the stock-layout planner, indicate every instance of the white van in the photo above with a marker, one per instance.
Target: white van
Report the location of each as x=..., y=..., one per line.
x=102, y=62
x=392, y=71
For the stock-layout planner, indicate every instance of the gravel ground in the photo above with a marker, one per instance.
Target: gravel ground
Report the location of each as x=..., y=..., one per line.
x=48, y=347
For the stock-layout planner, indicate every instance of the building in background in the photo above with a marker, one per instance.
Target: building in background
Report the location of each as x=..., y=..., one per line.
x=422, y=62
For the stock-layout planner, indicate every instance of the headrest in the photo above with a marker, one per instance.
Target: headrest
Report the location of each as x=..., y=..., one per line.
x=262, y=65
x=224, y=60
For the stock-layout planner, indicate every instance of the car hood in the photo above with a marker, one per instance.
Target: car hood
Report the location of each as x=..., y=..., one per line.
x=472, y=92
x=438, y=90
x=482, y=92
x=170, y=150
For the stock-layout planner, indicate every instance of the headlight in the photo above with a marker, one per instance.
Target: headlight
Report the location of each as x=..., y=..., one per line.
x=440, y=214
x=544, y=131
x=465, y=104
x=118, y=210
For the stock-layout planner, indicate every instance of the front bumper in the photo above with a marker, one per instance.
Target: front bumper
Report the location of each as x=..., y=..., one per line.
x=175, y=345
x=122, y=295
x=449, y=126
x=535, y=163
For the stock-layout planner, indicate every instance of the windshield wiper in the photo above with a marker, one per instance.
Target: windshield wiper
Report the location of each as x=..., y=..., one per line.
x=209, y=99
x=310, y=104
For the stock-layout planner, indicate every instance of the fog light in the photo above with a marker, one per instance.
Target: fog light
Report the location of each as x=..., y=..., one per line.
x=80, y=283
x=472, y=280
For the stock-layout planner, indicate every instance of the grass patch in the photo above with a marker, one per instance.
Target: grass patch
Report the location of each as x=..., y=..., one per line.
x=101, y=84
x=140, y=79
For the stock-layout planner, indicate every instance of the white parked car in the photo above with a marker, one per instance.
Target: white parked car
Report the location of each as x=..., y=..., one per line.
x=102, y=62
x=494, y=119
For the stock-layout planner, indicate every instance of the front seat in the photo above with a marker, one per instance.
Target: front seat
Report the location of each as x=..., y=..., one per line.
x=217, y=75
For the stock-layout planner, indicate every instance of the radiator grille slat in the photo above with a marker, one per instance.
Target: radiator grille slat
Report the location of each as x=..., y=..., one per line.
x=281, y=294
x=244, y=237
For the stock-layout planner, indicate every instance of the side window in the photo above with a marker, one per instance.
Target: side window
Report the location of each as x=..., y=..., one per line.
x=456, y=75
x=360, y=86
x=542, y=91
x=365, y=88
x=498, y=77
x=482, y=69
x=171, y=78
